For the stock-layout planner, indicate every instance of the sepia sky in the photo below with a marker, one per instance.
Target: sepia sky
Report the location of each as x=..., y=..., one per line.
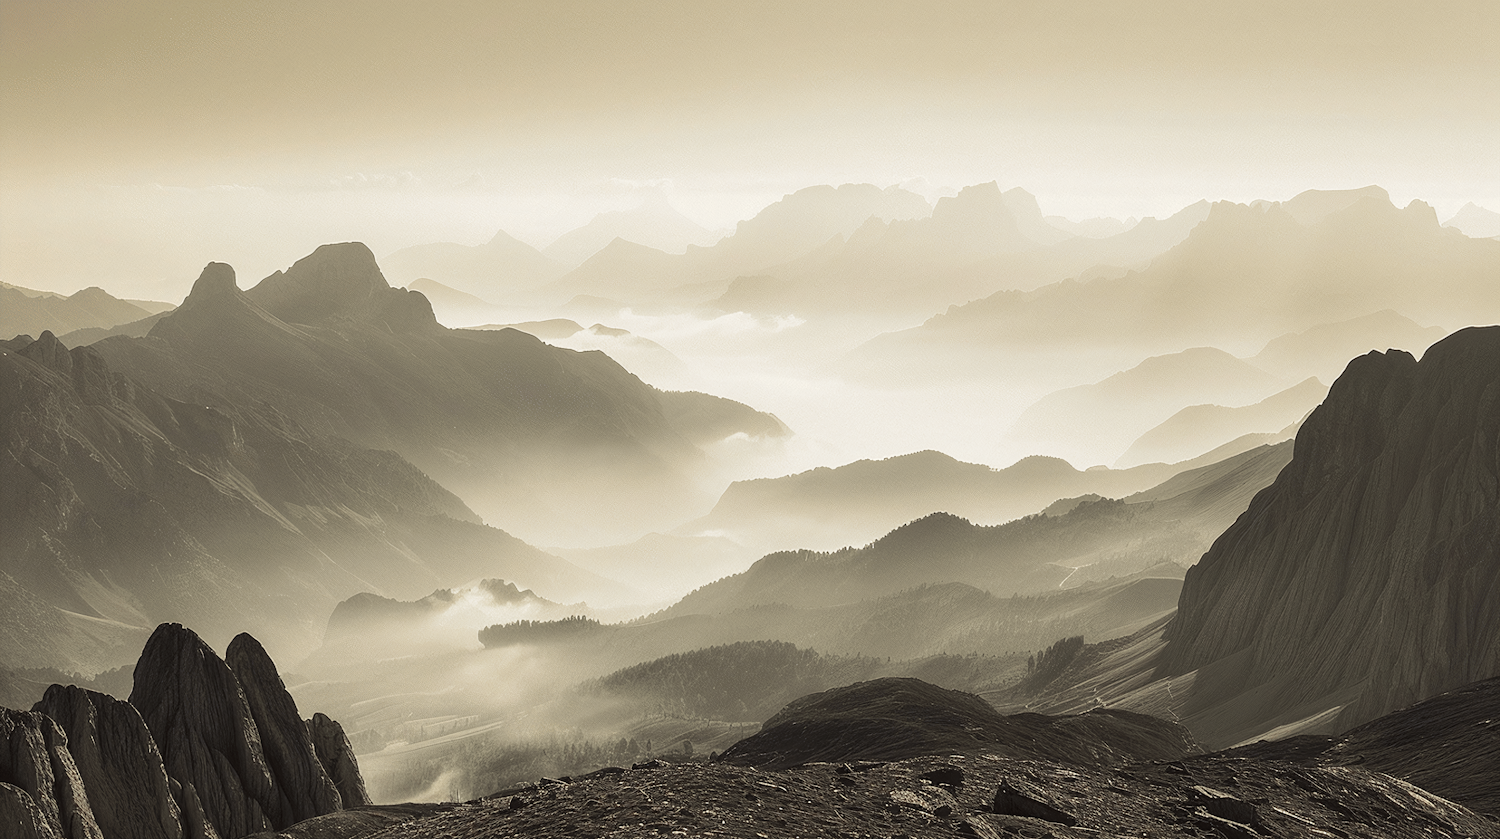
x=139, y=140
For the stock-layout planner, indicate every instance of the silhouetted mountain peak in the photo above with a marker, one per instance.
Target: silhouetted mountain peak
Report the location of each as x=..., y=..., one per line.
x=1314, y=205
x=49, y=352
x=216, y=281
x=341, y=281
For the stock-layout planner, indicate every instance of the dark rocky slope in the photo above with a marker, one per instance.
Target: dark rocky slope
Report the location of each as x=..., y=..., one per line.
x=128, y=507
x=897, y=718
x=334, y=347
x=1366, y=576
x=1122, y=789
x=1362, y=580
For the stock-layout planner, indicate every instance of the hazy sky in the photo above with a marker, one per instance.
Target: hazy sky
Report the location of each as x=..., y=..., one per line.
x=140, y=140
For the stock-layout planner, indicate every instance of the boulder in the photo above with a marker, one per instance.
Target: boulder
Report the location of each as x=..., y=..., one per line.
x=1020, y=798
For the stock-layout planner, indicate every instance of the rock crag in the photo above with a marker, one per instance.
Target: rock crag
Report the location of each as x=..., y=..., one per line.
x=118, y=762
x=1362, y=580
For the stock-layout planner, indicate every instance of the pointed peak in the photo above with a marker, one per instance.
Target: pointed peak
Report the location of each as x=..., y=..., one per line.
x=216, y=280
x=49, y=352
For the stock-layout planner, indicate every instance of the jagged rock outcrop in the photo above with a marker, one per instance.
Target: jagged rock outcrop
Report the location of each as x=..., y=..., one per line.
x=41, y=792
x=303, y=788
x=118, y=762
x=337, y=758
x=231, y=737
x=209, y=743
x=1365, y=577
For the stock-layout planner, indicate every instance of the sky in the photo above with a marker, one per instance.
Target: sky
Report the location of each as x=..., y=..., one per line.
x=139, y=141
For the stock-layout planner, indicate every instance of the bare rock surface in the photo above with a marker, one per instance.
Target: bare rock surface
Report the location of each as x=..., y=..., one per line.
x=118, y=762
x=201, y=721
x=1362, y=580
x=43, y=792
x=337, y=758
x=1148, y=799
x=303, y=787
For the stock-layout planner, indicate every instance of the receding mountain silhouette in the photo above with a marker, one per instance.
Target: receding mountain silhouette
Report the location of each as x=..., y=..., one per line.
x=502, y=270
x=1357, y=582
x=1245, y=275
x=1029, y=220
x=130, y=507
x=1324, y=350
x=655, y=224
x=453, y=307
x=1027, y=556
x=1200, y=428
x=1099, y=421
x=27, y=312
x=784, y=231
x=335, y=348
x=826, y=508
x=892, y=719
x=1314, y=205
x=1475, y=221
x=367, y=626
x=671, y=565
x=1093, y=228
x=548, y=330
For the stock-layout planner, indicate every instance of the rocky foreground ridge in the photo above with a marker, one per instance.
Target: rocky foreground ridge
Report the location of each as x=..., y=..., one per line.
x=206, y=748
x=1150, y=781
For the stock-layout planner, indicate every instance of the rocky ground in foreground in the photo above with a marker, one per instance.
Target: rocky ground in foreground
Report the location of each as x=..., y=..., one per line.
x=1208, y=796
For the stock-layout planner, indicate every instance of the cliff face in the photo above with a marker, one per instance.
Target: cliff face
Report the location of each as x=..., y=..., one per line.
x=1366, y=576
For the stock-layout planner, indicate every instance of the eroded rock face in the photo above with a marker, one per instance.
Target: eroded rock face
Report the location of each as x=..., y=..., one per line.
x=1364, y=577
x=118, y=762
x=201, y=721
x=337, y=758
x=41, y=792
x=303, y=788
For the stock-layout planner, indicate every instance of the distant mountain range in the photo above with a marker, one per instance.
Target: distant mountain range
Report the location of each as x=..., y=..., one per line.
x=1475, y=221
x=502, y=270
x=655, y=224
x=1032, y=555
x=251, y=462
x=127, y=507
x=1246, y=274
x=1101, y=420
x=27, y=312
x=827, y=508
x=1199, y=428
